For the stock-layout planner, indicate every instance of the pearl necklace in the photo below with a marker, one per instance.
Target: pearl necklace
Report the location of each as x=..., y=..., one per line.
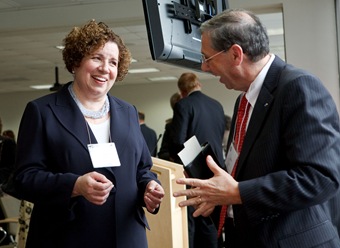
x=90, y=113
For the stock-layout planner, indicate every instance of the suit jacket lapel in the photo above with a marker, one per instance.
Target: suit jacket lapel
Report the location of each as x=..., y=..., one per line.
x=261, y=109
x=69, y=115
x=120, y=121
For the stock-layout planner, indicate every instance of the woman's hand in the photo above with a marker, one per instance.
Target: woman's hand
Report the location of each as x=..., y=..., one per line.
x=94, y=186
x=153, y=196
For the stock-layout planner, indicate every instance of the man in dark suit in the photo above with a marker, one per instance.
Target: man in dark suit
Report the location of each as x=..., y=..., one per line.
x=7, y=156
x=285, y=192
x=149, y=134
x=167, y=143
x=200, y=115
x=7, y=160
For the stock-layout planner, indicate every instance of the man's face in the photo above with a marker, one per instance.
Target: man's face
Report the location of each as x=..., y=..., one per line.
x=223, y=65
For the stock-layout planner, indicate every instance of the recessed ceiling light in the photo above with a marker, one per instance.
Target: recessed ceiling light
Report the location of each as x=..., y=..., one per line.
x=60, y=47
x=41, y=87
x=153, y=79
x=275, y=31
x=143, y=70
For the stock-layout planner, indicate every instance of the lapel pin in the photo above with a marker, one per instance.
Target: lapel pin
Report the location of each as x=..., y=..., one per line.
x=266, y=104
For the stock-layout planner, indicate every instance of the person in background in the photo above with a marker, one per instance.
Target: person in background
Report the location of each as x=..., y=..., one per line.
x=149, y=134
x=283, y=190
x=9, y=133
x=200, y=115
x=82, y=160
x=26, y=207
x=7, y=160
x=7, y=156
x=164, y=150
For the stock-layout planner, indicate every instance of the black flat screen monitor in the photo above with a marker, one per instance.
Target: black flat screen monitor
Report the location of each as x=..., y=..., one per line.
x=173, y=29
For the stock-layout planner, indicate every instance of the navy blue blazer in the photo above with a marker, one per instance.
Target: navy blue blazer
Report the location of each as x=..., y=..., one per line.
x=53, y=153
x=288, y=169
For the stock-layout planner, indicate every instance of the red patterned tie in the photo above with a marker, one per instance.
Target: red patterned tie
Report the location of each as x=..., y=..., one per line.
x=240, y=132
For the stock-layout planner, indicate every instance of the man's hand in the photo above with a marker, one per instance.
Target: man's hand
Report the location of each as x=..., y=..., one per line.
x=204, y=195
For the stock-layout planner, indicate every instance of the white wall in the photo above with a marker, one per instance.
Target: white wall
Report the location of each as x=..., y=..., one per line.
x=152, y=99
x=310, y=37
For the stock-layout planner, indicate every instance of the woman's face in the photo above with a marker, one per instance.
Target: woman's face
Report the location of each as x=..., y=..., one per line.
x=98, y=71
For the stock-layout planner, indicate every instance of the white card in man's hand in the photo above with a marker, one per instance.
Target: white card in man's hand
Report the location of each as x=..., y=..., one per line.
x=191, y=149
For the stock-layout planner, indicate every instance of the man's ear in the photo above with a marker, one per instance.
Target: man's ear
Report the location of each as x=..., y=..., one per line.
x=237, y=53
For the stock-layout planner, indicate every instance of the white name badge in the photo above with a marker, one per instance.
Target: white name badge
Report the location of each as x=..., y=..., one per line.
x=231, y=158
x=103, y=155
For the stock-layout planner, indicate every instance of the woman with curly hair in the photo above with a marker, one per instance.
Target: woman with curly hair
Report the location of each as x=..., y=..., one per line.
x=82, y=159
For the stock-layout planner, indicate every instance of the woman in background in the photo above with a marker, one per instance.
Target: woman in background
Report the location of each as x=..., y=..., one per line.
x=82, y=159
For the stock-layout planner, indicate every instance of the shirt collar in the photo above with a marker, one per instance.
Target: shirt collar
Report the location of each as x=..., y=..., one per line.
x=255, y=87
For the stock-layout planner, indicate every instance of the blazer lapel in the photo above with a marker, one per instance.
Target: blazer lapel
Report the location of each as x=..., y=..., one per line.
x=120, y=121
x=69, y=115
x=261, y=109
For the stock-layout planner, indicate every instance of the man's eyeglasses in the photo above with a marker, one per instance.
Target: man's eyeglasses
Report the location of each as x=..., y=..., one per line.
x=205, y=60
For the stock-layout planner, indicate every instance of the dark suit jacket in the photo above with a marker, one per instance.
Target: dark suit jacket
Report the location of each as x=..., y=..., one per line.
x=288, y=169
x=200, y=115
x=167, y=143
x=203, y=116
x=53, y=153
x=7, y=158
x=150, y=137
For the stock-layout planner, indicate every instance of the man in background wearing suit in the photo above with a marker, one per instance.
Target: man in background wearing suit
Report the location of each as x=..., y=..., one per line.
x=285, y=191
x=149, y=134
x=7, y=160
x=164, y=150
x=200, y=115
x=7, y=156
